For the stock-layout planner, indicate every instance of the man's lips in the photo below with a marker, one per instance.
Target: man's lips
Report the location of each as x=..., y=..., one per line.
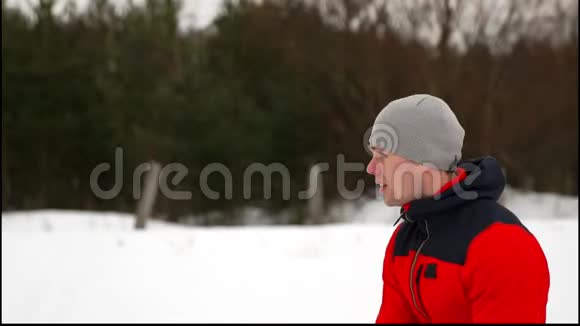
x=381, y=188
x=379, y=178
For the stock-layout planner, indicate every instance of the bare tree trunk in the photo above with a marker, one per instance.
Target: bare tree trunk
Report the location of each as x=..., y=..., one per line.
x=447, y=17
x=529, y=183
x=316, y=203
x=503, y=197
x=5, y=176
x=145, y=206
x=486, y=141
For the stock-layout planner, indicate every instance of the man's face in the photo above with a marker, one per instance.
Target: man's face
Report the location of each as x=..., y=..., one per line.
x=400, y=180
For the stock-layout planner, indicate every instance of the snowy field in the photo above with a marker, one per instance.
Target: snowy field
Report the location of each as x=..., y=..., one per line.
x=63, y=266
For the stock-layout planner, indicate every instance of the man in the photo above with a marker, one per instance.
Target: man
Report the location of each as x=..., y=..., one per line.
x=457, y=256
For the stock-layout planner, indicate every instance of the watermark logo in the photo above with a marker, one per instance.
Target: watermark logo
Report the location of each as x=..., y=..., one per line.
x=381, y=136
x=177, y=172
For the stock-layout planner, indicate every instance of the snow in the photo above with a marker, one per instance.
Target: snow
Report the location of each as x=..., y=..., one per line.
x=72, y=266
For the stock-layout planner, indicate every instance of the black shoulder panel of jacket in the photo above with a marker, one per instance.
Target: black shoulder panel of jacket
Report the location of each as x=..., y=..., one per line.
x=451, y=233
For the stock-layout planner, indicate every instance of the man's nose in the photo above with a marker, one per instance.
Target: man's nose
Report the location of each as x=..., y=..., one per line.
x=371, y=167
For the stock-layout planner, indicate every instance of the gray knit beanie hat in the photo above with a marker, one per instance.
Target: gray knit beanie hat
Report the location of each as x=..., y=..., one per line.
x=420, y=128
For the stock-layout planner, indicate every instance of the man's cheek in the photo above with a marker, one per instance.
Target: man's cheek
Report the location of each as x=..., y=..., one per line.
x=387, y=174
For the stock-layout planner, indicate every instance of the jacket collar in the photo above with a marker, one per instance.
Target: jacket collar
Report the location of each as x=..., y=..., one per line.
x=476, y=179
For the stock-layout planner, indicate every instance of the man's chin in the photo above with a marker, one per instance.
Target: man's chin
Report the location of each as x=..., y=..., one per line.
x=390, y=202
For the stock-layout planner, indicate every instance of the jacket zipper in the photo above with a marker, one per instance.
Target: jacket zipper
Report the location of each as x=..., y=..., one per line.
x=411, y=283
x=417, y=281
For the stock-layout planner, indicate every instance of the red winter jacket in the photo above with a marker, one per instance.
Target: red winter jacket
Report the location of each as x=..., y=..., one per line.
x=460, y=257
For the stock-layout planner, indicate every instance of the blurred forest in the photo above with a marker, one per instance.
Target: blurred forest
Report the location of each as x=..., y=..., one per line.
x=293, y=82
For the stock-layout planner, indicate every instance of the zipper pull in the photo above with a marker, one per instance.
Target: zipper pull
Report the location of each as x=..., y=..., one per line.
x=400, y=217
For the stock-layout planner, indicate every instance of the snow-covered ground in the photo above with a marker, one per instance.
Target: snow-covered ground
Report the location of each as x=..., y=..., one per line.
x=63, y=266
